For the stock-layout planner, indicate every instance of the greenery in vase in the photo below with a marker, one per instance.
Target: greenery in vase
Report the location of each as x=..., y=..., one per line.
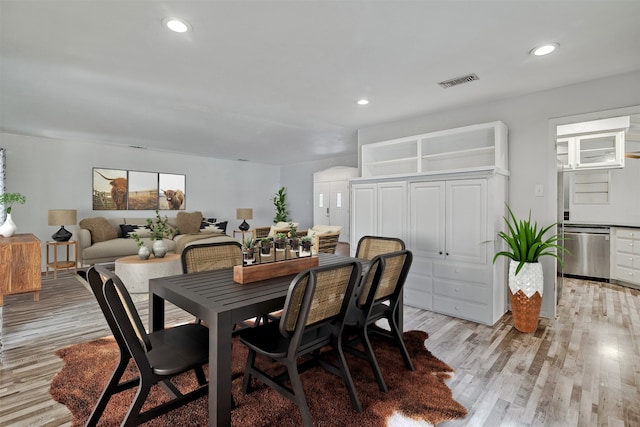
x=8, y=199
x=248, y=243
x=293, y=231
x=280, y=203
x=280, y=236
x=160, y=227
x=526, y=242
x=137, y=239
x=265, y=241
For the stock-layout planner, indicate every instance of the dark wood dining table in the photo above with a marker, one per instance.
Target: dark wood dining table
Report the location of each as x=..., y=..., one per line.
x=214, y=297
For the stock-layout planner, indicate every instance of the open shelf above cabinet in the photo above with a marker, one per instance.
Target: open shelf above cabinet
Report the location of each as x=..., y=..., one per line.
x=482, y=146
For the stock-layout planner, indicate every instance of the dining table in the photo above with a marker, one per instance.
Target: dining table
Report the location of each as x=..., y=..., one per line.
x=215, y=298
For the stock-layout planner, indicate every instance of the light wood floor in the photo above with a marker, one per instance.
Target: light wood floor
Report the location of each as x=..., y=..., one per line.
x=581, y=369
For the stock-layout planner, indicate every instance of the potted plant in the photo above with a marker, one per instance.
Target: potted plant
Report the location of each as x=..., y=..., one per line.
x=248, y=250
x=280, y=203
x=8, y=228
x=525, y=245
x=143, y=251
x=294, y=240
x=305, y=245
x=159, y=230
x=280, y=241
x=265, y=245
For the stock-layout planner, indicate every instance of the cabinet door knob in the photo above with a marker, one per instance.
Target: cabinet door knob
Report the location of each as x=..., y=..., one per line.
x=440, y=252
x=447, y=253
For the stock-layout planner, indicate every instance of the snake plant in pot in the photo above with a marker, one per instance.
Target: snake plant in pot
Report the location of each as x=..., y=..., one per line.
x=526, y=243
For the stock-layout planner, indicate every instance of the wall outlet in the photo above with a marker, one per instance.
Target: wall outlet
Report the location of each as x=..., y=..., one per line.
x=539, y=190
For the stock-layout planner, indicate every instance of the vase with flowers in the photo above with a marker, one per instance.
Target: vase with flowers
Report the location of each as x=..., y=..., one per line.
x=9, y=228
x=160, y=229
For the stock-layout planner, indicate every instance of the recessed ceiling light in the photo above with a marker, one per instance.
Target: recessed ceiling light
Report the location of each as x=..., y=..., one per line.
x=544, y=49
x=362, y=101
x=176, y=24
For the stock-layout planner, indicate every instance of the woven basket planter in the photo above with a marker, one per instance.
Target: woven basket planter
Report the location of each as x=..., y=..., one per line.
x=525, y=294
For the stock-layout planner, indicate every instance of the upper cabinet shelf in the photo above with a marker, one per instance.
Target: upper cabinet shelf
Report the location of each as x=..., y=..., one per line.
x=476, y=147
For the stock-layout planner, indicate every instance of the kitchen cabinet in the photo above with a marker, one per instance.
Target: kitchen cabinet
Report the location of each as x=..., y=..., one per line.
x=596, y=151
x=20, y=265
x=625, y=255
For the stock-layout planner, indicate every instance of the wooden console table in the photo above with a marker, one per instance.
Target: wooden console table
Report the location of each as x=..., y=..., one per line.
x=20, y=265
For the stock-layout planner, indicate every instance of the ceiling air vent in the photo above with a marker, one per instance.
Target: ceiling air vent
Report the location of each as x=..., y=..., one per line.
x=458, y=80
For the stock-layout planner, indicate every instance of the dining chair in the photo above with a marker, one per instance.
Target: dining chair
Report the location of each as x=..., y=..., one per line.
x=312, y=318
x=214, y=256
x=371, y=246
x=159, y=356
x=379, y=296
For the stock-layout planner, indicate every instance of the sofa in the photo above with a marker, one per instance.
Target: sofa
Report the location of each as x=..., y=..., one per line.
x=103, y=240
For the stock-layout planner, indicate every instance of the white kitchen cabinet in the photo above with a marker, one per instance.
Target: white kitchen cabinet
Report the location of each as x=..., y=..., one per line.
x=625, y=254
x=594, y=151
x=381, y=210
x=474, y=147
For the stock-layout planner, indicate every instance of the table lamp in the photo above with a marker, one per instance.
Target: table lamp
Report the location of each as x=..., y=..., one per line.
x=62, y=217
x=244, y=214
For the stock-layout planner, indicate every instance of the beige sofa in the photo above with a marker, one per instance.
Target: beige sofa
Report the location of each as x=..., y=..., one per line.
x=106, y=241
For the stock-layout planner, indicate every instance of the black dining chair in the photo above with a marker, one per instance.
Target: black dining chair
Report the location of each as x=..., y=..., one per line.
x=215, y=256
x=312, y=318
x=371, y=246
x=159, y=356
x=379, y=296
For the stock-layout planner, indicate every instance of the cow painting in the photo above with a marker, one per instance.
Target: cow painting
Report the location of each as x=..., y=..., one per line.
x=118, y=191
x=175, y=198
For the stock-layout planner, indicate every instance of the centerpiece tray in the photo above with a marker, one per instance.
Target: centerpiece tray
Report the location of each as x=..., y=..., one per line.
x=257, y=272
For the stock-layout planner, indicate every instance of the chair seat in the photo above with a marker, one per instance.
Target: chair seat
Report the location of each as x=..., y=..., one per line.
x=267, y=339
x=178, y=349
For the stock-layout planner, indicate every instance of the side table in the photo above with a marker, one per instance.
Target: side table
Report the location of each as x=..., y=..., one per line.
x=20, y=258
x=249, y=231
x=67, y=263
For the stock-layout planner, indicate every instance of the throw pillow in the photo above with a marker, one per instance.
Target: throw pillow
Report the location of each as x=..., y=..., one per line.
x=218, y=227
x=188, y=223
x=100, y=228
x=140, y=230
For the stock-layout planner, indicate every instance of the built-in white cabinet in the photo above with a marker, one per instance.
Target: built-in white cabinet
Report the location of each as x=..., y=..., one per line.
x=452, y=240
x=444, y=194
x=385, y=205
x=467, y=148
x=625, y=255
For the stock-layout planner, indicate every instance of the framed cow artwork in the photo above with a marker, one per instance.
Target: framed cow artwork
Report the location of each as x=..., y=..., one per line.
x=172, y=192
x=143, y=190
x=110, y=189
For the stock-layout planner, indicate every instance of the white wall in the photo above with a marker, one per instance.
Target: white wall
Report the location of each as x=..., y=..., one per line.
x=55, y=174
x=532, y=154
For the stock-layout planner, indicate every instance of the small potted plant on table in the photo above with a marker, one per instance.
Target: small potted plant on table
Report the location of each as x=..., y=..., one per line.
x=248, y=250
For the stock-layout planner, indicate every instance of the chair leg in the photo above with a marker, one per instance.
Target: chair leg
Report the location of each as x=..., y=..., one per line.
x=202, y=379
x=298, y=394
x=246, y=381
x=110, y=389
x=346, y=376
x=397, y=335
x=131, y=419
x=366, y=343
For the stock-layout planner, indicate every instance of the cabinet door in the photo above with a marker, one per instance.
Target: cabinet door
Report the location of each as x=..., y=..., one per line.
x=364, y=212
x=427, y=219
x=466, y=227
x=392, y=209
x=5, y=269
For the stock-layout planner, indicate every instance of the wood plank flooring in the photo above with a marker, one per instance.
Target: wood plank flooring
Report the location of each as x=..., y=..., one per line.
x=581, y=369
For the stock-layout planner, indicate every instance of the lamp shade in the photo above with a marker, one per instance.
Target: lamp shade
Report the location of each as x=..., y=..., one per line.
x=244, y=213
x=62, y=217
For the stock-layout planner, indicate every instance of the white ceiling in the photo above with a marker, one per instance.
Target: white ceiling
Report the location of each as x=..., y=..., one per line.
x=276, y=81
